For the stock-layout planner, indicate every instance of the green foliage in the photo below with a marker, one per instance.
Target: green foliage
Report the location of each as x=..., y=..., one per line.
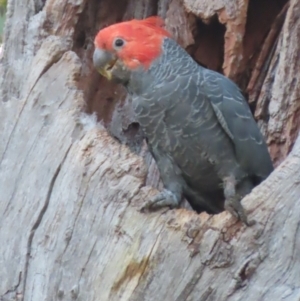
x=2, y=21
x=3, y=4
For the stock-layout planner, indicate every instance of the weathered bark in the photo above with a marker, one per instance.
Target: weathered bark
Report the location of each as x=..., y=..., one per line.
x=70, y=228
x=277, y=90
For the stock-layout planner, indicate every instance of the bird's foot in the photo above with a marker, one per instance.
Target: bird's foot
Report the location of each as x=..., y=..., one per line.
x=233, y=201
x=234, y=206
x=166, y=198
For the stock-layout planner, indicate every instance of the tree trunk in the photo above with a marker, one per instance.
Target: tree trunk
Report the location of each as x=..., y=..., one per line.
x=70, y=228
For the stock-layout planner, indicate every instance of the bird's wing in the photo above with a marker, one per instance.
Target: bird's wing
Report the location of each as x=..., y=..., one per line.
x=237, y=121
x=179, y=115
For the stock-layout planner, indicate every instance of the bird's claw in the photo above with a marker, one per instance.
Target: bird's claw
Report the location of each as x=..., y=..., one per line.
x=165, y=198
x=234, y=206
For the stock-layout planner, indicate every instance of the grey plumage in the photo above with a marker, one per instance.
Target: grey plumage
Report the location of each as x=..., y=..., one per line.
x=200, y=131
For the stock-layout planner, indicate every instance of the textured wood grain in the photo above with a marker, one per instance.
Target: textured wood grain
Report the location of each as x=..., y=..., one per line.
x=70, y=228
x=278, y=99
x=232, y=13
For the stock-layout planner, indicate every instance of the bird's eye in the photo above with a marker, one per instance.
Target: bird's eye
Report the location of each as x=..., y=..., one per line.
x=119, y=42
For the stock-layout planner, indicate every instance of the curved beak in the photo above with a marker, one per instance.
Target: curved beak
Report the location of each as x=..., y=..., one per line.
x=104, y=61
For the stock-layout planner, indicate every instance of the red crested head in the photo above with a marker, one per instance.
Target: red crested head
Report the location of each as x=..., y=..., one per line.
x=136, y=43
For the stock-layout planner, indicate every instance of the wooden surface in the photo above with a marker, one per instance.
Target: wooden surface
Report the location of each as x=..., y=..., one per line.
x=232, y=13
x=70, y=228
x=277, y=90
